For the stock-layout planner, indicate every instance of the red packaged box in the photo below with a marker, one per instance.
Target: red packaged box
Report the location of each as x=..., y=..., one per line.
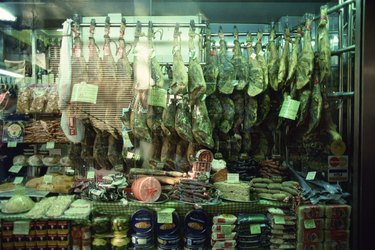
x=311, y=212
x=338, y=211
x=337, y=235
x=337, y=224
x=310, y=235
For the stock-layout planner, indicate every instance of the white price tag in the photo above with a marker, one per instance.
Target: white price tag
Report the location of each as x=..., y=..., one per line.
x=311, y=176
x=47, y=179
x=165, y=216
x=18, y=180
x=12, y=144
x=15, y=169
x=84, y=92
x=129, y=155
x=21, y=227
x=91, y=175
x=233, y=178
x=50, y=145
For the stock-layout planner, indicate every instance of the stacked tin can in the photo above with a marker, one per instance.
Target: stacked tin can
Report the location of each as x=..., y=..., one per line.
x=283, y=228
x=253, y=231
x=168, y=234
x=120, y=227
x=143, y=229
x=223, y=232
x=197, y=226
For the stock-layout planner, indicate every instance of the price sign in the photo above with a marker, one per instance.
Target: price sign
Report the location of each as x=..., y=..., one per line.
x=226, y=229
x=50, y=145
x=21, y=227
x=165, y=216
x=12, y=144
x=289, y=109
x=15, y=169
x=84, y=92
x=18, y=180
x=233, y=178
x=91, y=175
x=280, y=220
x=311, y=176
x=255, y=229
x=129, y=155
x=158, y=97
x=309, y=224
x=47, y=179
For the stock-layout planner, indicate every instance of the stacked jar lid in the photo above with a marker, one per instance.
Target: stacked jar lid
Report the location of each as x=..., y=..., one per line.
x=120, y=227
x=197, y=226
x=143, y=228
x=168, y=235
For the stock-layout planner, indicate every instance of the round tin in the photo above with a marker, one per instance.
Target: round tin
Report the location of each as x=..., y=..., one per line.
x=143, y=221
x=193, y=241
x=196, y=222
x=161, y=247
x=142, y=239
x=195, y=248
x=169, y=240
x=169, y=228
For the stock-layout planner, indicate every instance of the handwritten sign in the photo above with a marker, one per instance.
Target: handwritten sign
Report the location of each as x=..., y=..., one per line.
x=289, y=109
x=165, y=215
x=84, y=92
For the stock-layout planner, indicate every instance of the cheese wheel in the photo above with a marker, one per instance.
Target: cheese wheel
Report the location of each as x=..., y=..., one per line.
x=146, y=188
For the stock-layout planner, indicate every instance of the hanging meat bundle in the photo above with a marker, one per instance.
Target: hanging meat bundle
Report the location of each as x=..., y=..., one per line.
x=201, y=128
x=227, y=74
x=138, y=118
x=306, y=60
x=324, y=50
x=261, y=60
x=101, y=149
x=183, y=120
x=211, y=69
x=239, y=62
x=95, y=76
x=215, y=110
x=256, y=76
x=293, y=61
x=197, y=84
x=180, y=76
x=273, y=62
x=227, y=120
x=283, y=67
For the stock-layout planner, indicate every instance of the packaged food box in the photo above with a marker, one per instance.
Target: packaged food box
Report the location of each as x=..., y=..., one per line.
x=306, y=224
x=227, y=219
x=311, y=211
x=223, y=228
x=337, y=224
x=333, y=245
x=337, y=235
x=310, y=246
x=221, y=236
x=310, y=235
x=223, y=244
x=338, y=211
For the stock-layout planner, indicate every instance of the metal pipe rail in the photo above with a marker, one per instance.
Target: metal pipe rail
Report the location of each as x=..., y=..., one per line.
x=343, y=50
x=144, y=25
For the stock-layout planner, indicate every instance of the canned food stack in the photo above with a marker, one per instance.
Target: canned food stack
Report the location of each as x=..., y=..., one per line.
x=283, y=228
x=253, y=231
x=143, y=224
x=337, y=225
x=223, y=232
x=310, y=234
x=101, y=228
x=167, y=229
x=197, y=226
x=120, y=227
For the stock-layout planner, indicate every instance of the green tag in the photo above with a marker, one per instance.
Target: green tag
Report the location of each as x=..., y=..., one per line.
x=226, y=229
x=47, y=179
x=126, y=138
x=233, y=178
x=279, y=220
x=15, y=169
x=309, y=224
x=289, y=109
x=311, y=176
x=18, y=180
x=91, y=175
x=157, y=97
x=255, y=229
x=130, y=155
x=165, y=216
x=21, y=227
x=84, y=92
x=12, y=144
x=50, y=145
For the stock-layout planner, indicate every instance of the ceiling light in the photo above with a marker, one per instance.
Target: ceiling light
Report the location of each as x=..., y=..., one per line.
x=9, y=73
x=6, y=15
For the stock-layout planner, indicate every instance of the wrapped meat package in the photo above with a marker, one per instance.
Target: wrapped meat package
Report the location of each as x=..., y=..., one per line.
x=169, y=114
x=24, y=100
x=168, y=153
x=180, y=75
x=227, y=75
x=211, y=69
x=183, y=121
x=215, y=110
x=53, y=100
x=40, y=96
x=227, y=120
x=202, y=130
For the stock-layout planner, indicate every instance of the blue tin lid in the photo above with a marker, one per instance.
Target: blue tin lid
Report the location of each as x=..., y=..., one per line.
x=169, y=228
x=169, y=240
x=197, y=222
x=143, y=221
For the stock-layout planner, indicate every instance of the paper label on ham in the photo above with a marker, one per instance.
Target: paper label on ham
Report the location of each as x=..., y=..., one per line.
x=84, y=92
